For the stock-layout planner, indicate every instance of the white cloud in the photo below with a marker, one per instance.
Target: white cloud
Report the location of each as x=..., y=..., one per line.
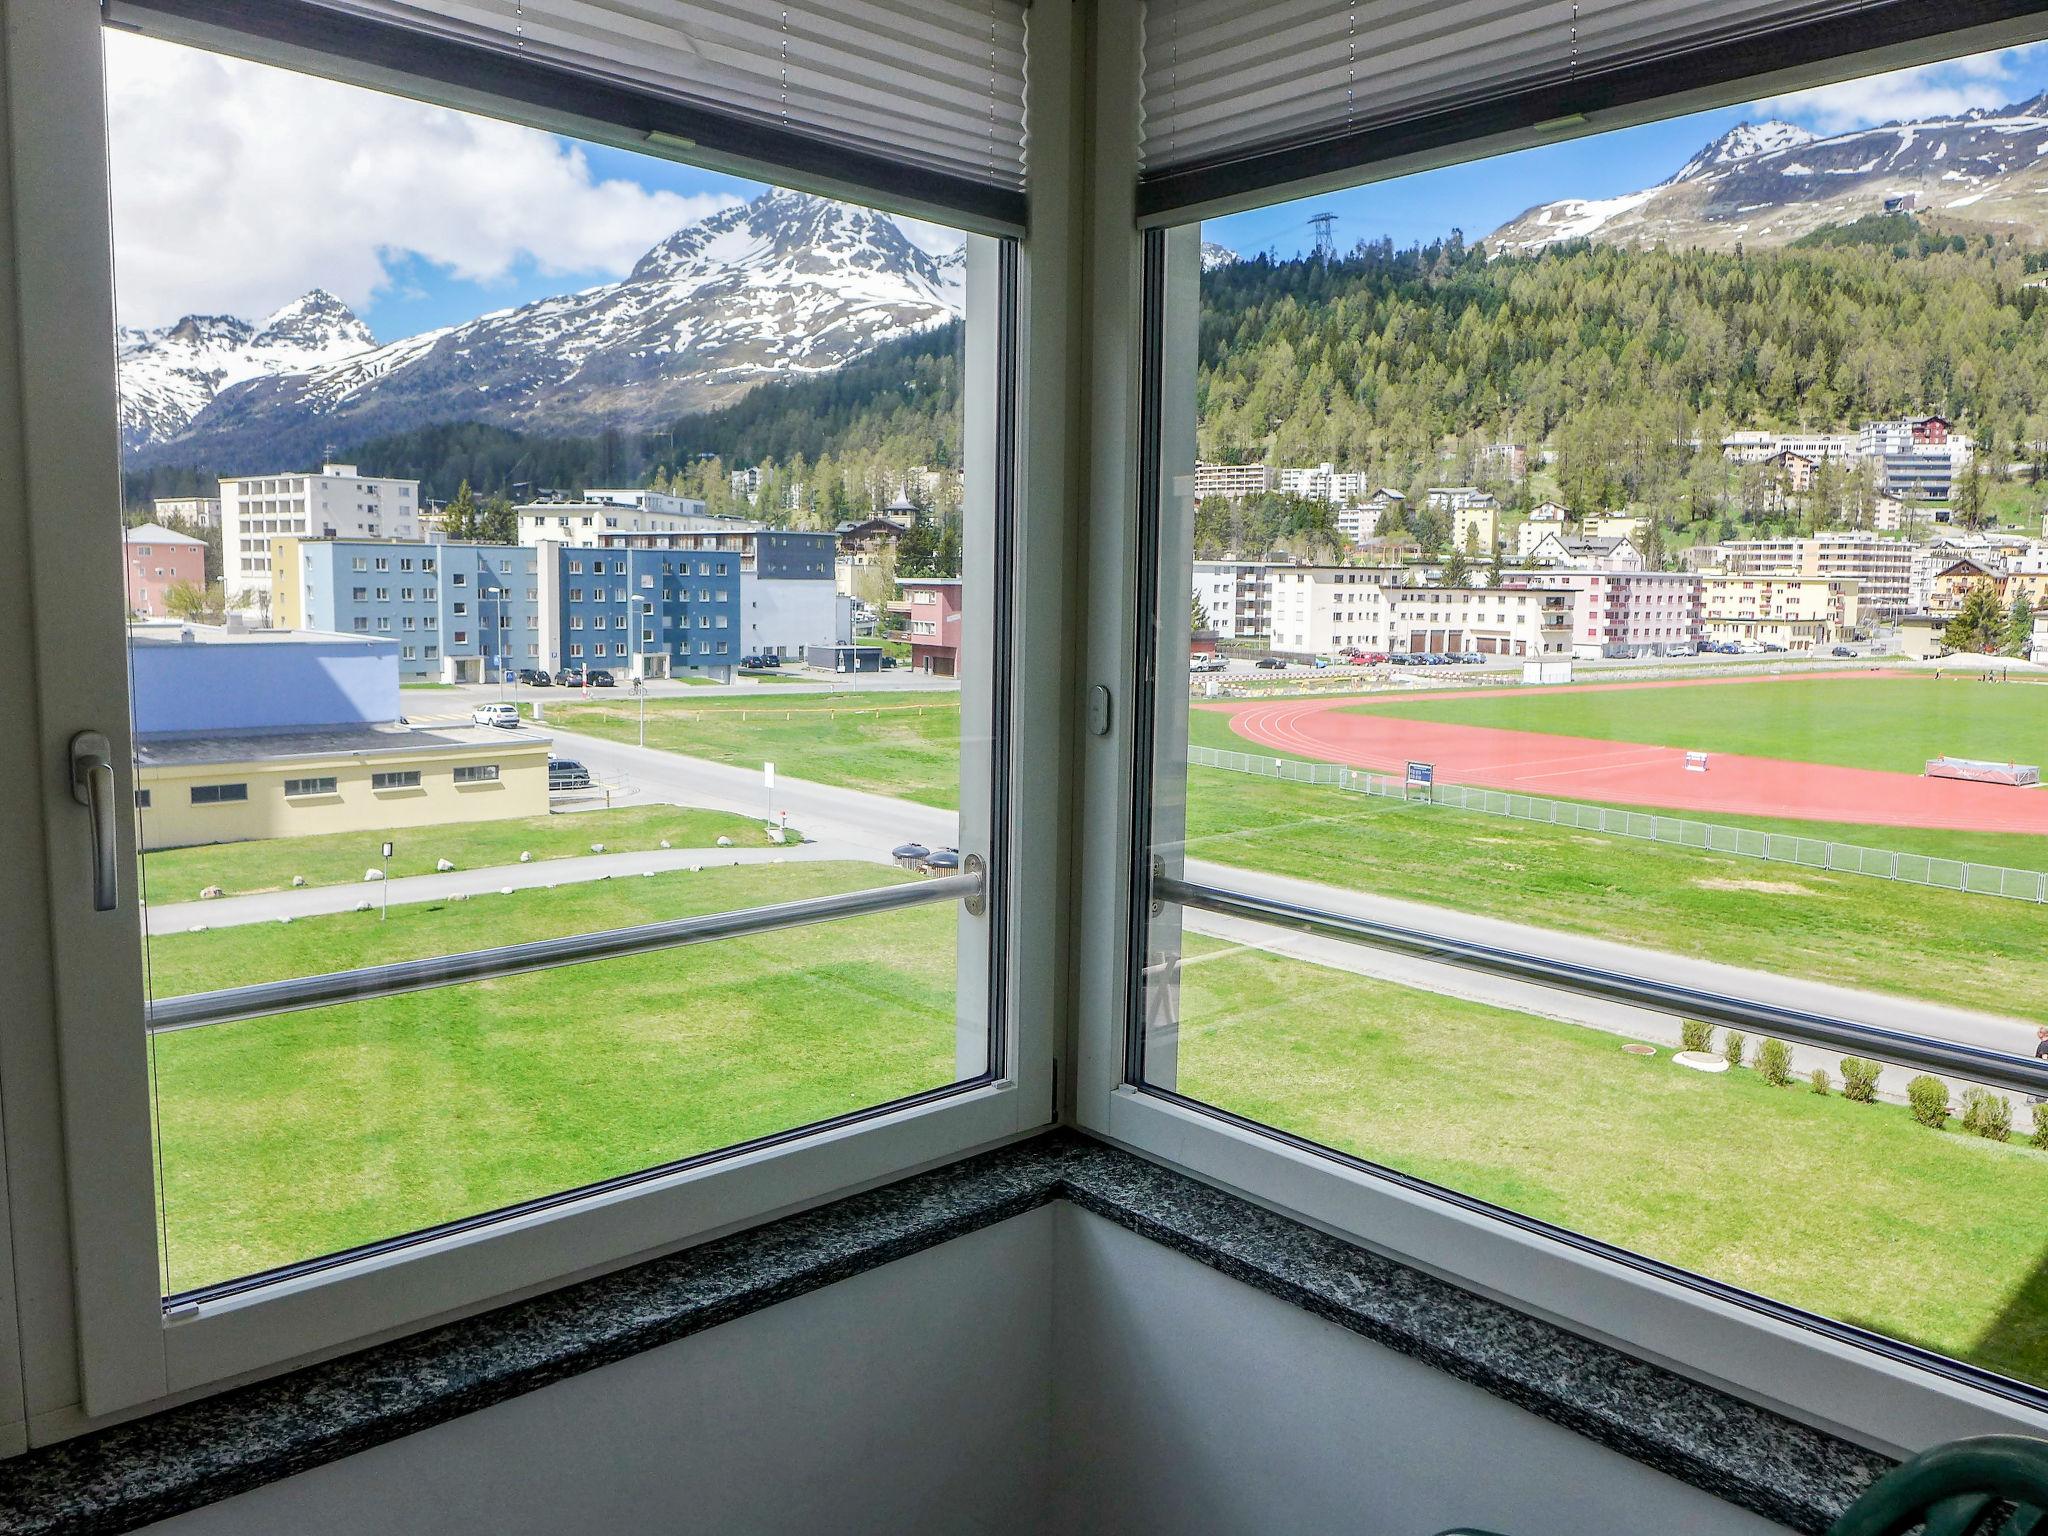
x=237, y=187
x=1927, y=90
x=935, y=239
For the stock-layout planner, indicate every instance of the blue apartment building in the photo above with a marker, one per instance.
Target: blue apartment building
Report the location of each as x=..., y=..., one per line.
x=458, y=612
x=645, y=612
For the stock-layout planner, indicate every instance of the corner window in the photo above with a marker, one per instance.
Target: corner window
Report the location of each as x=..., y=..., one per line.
x=1565, y=801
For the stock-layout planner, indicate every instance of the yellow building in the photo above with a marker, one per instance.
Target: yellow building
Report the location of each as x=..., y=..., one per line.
x=231, y=789
x=1797, y=612
x=1475, y=530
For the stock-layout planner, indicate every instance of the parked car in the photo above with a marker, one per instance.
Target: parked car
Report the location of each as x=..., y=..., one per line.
x=534, y=677
x=567, y=773
x=1373, y=658
x=1841, y=650
x=504, y=715
x=599, y=678
x=1772, y=645
x=569, y=677
x=1404, y=659
x=1271, y=664
x=889, y=663
x=1472, y=658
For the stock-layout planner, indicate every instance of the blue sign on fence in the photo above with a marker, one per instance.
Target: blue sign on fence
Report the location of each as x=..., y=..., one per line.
x=1421, y=776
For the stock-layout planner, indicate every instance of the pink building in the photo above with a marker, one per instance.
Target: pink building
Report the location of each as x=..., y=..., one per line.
x=158, y=556
x=1631, y=613
x=932, y=606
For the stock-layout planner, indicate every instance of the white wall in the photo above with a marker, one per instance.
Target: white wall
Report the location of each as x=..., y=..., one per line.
x=1188, y=1404
x=914, y=1398
x=1050, y=1376
x=788, y=615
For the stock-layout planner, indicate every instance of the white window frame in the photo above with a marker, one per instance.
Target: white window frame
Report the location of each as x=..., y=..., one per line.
x=95, y=1341
x=1816, y=1378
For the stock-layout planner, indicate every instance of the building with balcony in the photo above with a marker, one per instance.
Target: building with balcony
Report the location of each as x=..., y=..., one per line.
x=1318, y=609
x=931, y=609
x=1881, y=568
x=1630, y=613
x=1797, y=612
x=1237, y=595
x=1232, y=482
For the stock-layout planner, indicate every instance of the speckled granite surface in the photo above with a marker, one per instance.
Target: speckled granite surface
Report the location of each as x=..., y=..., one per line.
x=126, y=1477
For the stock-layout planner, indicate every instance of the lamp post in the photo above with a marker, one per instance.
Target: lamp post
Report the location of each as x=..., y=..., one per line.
x=646, y=617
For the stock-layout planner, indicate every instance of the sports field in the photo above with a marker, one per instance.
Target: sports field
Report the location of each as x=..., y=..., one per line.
x=1833, y=748
x=1887, y=720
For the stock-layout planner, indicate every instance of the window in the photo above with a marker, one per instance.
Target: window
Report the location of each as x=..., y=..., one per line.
x=397, y=778
x=1556, y=962
x=142, y=799
x=476, y=773
x=219, y=794
x=319, y=786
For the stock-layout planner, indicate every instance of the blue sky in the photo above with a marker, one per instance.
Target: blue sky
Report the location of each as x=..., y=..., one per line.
x=1481, y=196
x=237, y=188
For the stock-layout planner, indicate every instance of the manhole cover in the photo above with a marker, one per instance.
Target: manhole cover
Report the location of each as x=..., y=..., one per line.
x=1640, y=1050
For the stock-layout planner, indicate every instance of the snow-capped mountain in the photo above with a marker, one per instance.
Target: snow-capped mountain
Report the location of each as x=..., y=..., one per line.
x=1982, y=171
x=170, y=374
x=1214, y=255
x=784, y=286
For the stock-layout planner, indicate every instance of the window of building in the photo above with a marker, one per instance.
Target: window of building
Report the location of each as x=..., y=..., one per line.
x=397, y=778
x=476, y=773
x=219, y=794
x=313, y=786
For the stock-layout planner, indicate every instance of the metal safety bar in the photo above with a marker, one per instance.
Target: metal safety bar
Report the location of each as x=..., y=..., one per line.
x=374, y=981
x=1996, y=1069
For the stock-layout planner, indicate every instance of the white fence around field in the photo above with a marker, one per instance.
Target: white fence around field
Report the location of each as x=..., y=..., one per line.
x=1649, y=826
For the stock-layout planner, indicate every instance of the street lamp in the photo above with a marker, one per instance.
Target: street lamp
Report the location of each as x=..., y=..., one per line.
x=496, y=595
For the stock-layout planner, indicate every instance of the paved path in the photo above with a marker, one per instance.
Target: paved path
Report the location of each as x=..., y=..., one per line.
x=1536, y=763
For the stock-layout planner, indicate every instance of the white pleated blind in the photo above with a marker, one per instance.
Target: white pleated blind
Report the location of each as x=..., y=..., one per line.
x=1224, y=78
x=937, y=84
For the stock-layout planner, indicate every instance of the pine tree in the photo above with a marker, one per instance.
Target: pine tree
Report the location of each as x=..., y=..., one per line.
x=1979, y=627
x=1457, y=573
x=2019, y=625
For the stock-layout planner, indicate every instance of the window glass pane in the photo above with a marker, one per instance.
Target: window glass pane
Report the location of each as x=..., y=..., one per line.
x=485, y=349
x=1627, y=554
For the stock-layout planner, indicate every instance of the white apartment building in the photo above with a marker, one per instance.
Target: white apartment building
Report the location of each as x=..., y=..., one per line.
x=1324, y=482
x=198, y=511
x=1545, y=518
x=1361, y=520
x=336, y=503
x=1323, y=608
x=660, y=503
x=1232, y=481
x=1237, y=595
x=1326, y=608
x=1589, y=554
x=594, y=521
x=1821, y=447
x=1631, y=613
x=1456, y=498
x=1881, y=568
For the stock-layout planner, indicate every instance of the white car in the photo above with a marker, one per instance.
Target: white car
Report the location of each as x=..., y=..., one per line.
x=505, y=715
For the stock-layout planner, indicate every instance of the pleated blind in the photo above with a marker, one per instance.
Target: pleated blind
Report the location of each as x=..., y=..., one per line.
x=936, y=84
x=1224, y=80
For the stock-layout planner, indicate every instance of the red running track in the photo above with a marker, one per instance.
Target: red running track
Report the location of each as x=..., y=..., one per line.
x=1580, y=768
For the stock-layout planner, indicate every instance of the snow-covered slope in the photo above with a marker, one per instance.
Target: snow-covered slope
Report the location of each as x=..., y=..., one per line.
x=1214, y=255
x=784, y=286
x=1768, y=183
x=169, y=375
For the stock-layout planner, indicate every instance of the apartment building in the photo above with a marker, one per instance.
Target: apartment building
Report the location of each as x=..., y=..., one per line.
x=1504, y=461
x=1360, y=520
x=1456, y=498
x=1475, y=528
x=1916, y=458
x=932, y=612
x=1630, y=613
x=1591, y=554
x=1323, y=608
x=157, y=558
x=1233, y=482
x=1546, y=517
x=1798, y=612
x=1325, y=482
x=336, y=503
x=198, y=511
x=607, y=517
x=1881, y=568
x=1494, y=621
x=1237, y=595
x=457, y=612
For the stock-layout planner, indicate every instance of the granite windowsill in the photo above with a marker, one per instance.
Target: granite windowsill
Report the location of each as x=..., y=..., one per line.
x=127, y=1476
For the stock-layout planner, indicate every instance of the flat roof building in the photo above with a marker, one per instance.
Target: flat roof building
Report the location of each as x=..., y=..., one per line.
x=335, y=503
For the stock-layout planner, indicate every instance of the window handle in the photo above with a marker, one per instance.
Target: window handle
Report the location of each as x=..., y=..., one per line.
x=92, y=786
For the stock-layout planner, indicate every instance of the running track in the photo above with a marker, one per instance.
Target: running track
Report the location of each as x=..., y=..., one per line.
x=1579, y=768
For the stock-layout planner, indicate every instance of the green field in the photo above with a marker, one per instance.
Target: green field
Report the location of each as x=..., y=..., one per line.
x=902, y=745
x=1850, y=1210
x=1895, y=723
x=296, y=1135
x=339, y=858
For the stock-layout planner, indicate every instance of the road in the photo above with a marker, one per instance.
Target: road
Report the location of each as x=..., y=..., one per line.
x=853, y=824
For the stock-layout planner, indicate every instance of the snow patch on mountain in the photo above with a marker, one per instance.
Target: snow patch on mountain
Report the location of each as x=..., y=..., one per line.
x=1742, y=142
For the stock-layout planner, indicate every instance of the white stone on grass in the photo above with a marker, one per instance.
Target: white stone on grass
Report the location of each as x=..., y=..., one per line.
x=211, y=893
x=443, y=865
x=526, y=858
x=1702, y=1061
x=597, y=847
x=725, y=842
x=373, y=874
x=297, y=881
x=777, y=835
x=362, y=906
x=665, y=843
x=504, y=890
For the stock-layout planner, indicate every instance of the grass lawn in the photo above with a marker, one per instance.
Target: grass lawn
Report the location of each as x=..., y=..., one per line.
x=303, y=1133
x=1894, y=723
x=1849, y=1210
x=339, y=858
x=428, y=687
x=902, y=745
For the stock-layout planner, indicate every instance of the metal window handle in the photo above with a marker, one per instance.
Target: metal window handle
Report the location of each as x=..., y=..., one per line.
x=92, y=786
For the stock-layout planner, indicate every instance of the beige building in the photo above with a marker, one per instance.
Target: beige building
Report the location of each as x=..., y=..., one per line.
x=1475, y=528
x=1797, y=612
x=365, y=778
x=1322, y=608
x=613, y=518
x=1616, y=526
x=1232, y=481
x=1881, y=568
